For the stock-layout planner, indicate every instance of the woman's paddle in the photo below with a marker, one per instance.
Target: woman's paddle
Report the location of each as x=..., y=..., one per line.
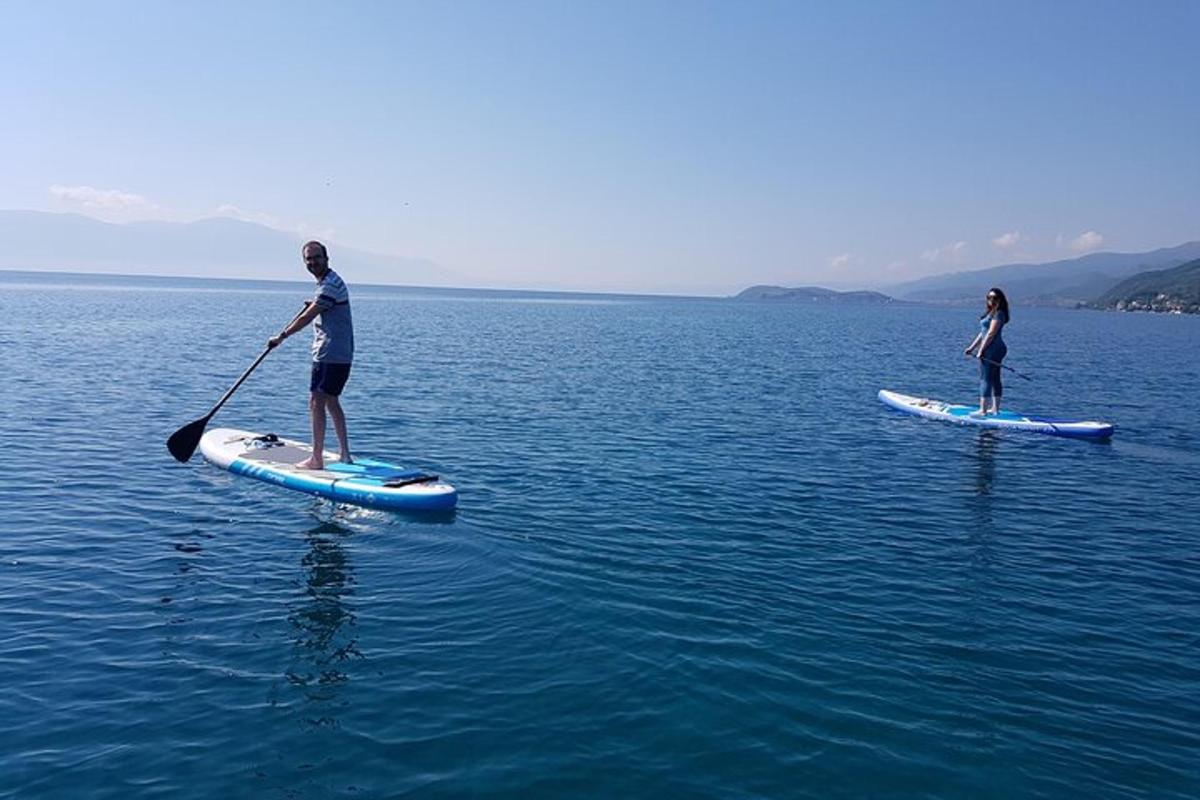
x=184, y=441
x=1007, y=367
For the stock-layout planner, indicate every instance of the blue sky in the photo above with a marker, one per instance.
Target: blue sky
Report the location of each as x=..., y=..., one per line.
x=678, y=146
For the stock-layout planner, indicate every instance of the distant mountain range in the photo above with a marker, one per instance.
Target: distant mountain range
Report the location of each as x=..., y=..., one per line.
x=1167, y=279
x=1174, y=290
x=230, y=248
x=218, y=248
x=1068, y=283
x=810, y=294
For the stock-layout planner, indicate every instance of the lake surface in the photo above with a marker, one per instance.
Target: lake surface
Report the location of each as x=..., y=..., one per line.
x=693, y=557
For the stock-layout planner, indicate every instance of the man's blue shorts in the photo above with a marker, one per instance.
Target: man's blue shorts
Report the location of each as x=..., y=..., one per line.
x=328, y=378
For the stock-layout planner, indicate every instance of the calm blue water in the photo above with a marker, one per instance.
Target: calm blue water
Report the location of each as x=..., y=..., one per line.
x=694, y=556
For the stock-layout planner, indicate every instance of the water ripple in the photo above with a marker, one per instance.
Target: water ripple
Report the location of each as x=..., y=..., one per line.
x=693, y=557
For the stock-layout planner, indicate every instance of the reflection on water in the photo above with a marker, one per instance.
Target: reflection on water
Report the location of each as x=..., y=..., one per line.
x=981, y=455
x=978, y=568
x=981, y=507
x=323, y=625
x=985, y=461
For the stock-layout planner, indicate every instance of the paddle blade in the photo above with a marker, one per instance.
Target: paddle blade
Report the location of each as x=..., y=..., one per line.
x=184, y=441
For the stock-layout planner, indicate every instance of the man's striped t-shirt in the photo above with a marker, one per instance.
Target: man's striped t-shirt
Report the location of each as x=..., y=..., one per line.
x=333, y=329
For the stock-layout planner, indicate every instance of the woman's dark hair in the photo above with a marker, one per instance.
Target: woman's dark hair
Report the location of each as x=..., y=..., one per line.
x=1001, y=303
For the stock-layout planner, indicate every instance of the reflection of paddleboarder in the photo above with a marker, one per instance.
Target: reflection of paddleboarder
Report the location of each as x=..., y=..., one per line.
x=985, y=455
x=332, y=351
x=323, y=628
x=989, y=348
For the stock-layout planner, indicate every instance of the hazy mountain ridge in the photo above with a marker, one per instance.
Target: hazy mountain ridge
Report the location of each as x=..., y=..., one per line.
x=812, y=294
x=1068, y=283
x=216, y=247
x=1171, y=290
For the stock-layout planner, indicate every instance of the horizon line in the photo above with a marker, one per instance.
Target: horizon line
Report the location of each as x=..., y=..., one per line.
x=288, y=281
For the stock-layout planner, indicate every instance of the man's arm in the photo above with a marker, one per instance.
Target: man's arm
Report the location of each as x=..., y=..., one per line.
x=296, y=325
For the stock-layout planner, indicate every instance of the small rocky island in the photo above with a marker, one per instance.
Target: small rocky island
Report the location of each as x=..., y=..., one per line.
x=811, y=294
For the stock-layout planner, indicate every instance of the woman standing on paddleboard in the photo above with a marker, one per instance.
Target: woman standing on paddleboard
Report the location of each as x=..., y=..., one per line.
x=990, y=349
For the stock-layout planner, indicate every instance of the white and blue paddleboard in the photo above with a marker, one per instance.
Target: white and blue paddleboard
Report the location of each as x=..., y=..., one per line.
x=366, y=482
x=968, y=415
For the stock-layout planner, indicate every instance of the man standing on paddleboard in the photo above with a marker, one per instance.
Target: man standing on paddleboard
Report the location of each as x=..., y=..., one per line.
x=332, y=352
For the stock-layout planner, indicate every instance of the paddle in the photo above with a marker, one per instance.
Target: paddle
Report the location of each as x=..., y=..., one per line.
x=184, y=441
x=1007, y=367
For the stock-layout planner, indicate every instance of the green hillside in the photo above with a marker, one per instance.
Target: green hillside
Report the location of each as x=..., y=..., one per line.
x=810, y=294
x=1176, y=290
x=1064, y=283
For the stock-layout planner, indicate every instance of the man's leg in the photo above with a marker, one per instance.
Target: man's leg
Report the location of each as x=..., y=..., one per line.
x=339, y=427
x=317, y=401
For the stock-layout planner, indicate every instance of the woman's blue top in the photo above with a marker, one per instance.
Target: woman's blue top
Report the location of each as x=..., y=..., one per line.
x=986, y=322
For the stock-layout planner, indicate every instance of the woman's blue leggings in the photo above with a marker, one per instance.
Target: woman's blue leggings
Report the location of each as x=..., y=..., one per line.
x=989, y=373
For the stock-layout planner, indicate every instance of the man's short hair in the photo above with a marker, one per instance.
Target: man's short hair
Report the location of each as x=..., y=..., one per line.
x=315, y=243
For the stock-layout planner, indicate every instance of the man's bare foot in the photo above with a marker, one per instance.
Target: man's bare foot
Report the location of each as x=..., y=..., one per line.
x=345, y=458
x=311, y=463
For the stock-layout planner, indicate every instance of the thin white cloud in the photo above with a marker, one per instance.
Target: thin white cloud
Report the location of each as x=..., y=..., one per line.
x=840, y=261
x=951, y=252
x=230, y=210
x=1007, y=241
x=271, y=221
x=322, y=232
x=119, y=206
x=1086, y=242
x=93, y=199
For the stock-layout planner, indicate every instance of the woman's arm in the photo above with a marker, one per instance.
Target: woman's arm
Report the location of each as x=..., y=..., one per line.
x=971, y=346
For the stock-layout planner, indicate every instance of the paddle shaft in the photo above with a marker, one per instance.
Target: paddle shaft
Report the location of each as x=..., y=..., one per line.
x=184, y=441
x=234, y=388
x=1005, y=366
x=251, y=368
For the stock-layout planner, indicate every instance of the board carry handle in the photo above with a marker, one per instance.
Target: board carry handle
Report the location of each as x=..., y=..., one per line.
x=400, y=482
